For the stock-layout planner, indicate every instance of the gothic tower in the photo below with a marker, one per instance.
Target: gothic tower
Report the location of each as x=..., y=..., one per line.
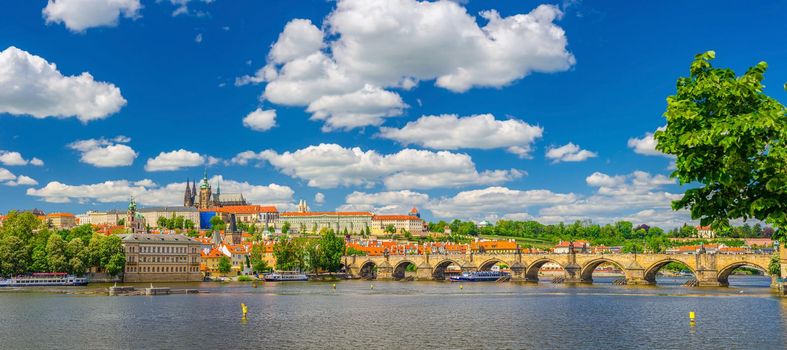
x=188, y=199
x=204, y=192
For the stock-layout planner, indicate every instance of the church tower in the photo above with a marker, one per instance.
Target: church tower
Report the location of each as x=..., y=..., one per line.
x=188, y=199
x=204, y=192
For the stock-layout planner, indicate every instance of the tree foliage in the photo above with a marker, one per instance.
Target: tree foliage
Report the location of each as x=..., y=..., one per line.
x=729, y=137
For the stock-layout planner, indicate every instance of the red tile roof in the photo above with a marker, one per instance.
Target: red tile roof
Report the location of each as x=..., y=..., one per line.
x=395, y=217
x=329, y=213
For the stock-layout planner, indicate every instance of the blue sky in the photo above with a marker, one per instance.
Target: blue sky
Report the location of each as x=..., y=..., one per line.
x=487, y=95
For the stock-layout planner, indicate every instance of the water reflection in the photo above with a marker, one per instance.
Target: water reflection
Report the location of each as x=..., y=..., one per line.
x=406, y=315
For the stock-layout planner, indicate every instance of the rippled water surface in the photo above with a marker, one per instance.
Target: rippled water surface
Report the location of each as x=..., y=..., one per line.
x=402, y=315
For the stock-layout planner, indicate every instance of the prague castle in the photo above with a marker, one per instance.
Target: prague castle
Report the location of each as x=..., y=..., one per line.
x=205, y=198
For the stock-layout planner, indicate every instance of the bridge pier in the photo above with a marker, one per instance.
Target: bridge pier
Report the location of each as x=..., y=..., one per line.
x=636, y=276
x=572, y=273
x=385, y=271
x=424, y=272
x=517, y=272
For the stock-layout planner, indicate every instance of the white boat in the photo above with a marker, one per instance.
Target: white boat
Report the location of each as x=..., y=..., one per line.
x=286, y=276
x=44, y=279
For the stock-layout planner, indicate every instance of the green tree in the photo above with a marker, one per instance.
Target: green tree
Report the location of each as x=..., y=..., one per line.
x=77, y=257
x=224, y=264
x=331, y=251
x=216, y=223
x=729, y=137
x=14, y=258
x=56, y=258
x=162, y=222
x=257, y=259
x=20, y=225
x=285, y=227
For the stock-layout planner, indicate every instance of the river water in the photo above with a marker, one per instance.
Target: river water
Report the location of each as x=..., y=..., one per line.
x=402, y=315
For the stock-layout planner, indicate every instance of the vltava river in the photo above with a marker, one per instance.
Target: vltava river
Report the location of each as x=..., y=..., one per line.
x=403, y=315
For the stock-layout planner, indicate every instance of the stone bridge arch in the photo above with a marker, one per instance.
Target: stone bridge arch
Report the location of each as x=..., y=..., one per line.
x=488, y=263
x=586, y=272
x=653, y=269
x=438, y=272
x=368, y=270
x=531, y=272
x=399, y=270
x=725, y=272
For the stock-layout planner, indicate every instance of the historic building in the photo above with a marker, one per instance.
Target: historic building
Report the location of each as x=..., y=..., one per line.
x=411, y=223
x=310, y=221
x=61, y=221
x=161, y=258
x=205, y=198
x=134, y=222
x=111, y=217
x=152, y=214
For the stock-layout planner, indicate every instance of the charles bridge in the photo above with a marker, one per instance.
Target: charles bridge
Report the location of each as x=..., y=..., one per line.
x=709, y=269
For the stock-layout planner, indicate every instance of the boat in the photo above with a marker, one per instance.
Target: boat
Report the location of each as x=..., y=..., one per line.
x=479, y=276
x=44, y=279
x=286, y=276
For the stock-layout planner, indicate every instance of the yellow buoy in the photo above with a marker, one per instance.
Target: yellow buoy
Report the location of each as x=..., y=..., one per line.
x=334, y=286
x=371, y=286
x=691, y=315
x=244, y=309
x=461, y=287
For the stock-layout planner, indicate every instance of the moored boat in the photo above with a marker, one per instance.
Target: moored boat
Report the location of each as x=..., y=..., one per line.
x=479, y=276
x=44, y=279
x=286, y=276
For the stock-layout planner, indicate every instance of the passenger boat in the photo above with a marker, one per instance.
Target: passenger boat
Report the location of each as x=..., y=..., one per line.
x=479, y=276
x=44, y=279
x=286, y=276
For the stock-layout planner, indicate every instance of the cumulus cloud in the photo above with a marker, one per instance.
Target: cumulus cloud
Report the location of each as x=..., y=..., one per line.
x=147, y=192
x=105, y=153
x=331, y=165
x=175, y=160
x=319, y=198
x=9, y=179
x=182, y=8
x=368, y=106
x=6, y=175
x=646, y=145
x=367, y=46
x=616, y=196
x=78, y=15
x=390, y=202
x=41, y=91
x=494, y=201
x=22, y=180
x=15, y=158
x=569, y=153
x=260, y=119
x=450, y=131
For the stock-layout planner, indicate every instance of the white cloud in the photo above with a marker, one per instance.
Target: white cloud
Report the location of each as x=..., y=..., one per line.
x=9, y=179
x=5, y=175
x=367, y=106
x=12, y=158
x=41, y=91
x=616, y=197
x=319, y=198
x=174, y=160
x=37, y=162
x=182, y=8
x=483, y=131
x=382, y=44
x=198, y=38
x=146, y=192
x=390, y=202
x=494, y=201
x=569, y=153
x=331, y=165
x=260, y=119
x=646, y=145
x=105, y=153
x=22, y=180
x=79, y=15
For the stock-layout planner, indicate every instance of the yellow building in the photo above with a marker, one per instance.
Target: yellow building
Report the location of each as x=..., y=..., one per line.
x=400, y=223
x=62, y=221
x=161, y=258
